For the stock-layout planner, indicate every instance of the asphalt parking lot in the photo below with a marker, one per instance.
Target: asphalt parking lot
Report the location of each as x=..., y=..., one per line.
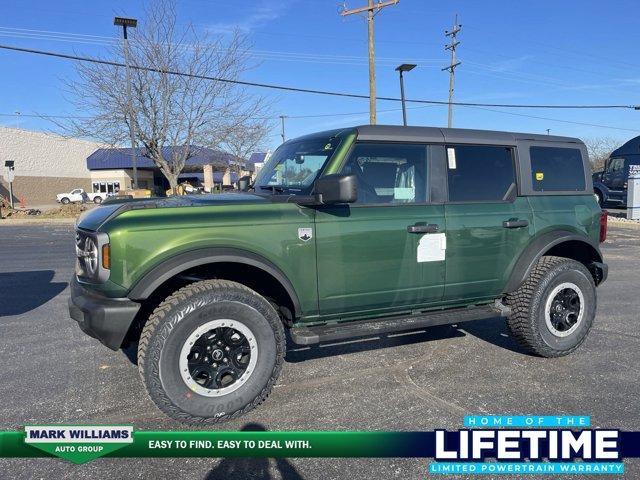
x=53, y=373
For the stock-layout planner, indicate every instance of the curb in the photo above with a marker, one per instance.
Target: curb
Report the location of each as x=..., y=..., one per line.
x=8, y=222
x=624, y=223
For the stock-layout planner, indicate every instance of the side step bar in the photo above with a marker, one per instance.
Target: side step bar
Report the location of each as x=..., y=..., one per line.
x=310, y=335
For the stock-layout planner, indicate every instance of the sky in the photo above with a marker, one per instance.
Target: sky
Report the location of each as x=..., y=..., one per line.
x=543, y=52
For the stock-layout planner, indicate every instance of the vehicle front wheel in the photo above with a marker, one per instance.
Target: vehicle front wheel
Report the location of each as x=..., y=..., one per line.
x=97, y=200
x=210, y=352
x=65, y=201
x=553, y=310
x=599, y=199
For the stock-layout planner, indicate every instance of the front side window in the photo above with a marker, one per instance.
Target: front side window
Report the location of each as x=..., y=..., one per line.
x=556, y=169
x=616, y=164
x=479, y=172
x=294, y=166
x=388, y=173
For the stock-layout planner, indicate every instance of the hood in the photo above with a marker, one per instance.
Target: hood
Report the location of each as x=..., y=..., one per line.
x=94, y=218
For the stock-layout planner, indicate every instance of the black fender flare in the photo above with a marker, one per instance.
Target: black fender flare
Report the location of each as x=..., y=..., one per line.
x=159, y=274
x=538, y=247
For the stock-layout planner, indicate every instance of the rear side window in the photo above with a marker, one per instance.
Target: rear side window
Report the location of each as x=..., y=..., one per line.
x=556, y=169
x=479, y=172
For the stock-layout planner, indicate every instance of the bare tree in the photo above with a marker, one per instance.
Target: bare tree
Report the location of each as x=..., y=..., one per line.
x=599, y=149
x=168, y=110
x=245, y=138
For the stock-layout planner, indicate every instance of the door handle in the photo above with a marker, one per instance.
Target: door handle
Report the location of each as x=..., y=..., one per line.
x=430, y=228
x=515, y=223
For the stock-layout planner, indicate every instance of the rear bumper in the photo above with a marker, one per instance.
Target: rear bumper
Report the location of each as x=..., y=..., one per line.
x=107, y=319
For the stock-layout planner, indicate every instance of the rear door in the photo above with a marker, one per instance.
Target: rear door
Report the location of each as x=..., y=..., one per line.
x=488, y=225
x=369, y=262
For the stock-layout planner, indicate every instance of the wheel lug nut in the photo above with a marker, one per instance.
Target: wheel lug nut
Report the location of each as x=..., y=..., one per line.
x=227, y=348
x=226, y=360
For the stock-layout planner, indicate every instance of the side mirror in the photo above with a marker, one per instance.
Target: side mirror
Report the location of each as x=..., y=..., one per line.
x=336, y=188
x=243, y=183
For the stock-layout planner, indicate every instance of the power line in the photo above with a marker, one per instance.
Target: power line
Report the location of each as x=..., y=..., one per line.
x=326, y=115
x=50, y=35
x=304, y=90
x=554, y=119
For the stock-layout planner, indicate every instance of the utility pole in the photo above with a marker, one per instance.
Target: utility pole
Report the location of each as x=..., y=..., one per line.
x=452, y=66
x=133, y=23
x=282, y=117
x=372, y=10
x=548, y=131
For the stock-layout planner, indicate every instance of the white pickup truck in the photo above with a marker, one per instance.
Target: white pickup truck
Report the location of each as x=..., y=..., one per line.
x=79, y=195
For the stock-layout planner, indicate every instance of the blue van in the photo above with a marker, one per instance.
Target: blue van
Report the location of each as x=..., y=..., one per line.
x=610, y=185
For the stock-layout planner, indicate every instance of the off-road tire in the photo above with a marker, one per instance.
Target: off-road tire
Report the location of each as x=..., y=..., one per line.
x=65, y=201
x=169, y=327
x=527, y=321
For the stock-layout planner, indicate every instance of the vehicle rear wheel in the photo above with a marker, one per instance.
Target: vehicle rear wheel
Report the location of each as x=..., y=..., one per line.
x=211, y=352
x=65, y=201
x=552, y=312
x=97, y=200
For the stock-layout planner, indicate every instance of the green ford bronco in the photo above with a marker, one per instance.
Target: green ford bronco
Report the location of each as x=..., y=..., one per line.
x=344, y=233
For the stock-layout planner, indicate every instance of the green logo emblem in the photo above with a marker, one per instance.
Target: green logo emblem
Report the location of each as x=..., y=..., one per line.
x=78, y=444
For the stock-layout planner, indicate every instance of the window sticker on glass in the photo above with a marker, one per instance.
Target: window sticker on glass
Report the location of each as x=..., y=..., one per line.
x=451, y=157
x=539, y=176
x=404, y=193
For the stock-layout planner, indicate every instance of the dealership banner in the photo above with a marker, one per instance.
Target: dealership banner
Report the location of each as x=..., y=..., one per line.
x=486, y=445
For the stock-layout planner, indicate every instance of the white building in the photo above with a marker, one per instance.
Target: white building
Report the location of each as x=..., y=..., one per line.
x=45, y=164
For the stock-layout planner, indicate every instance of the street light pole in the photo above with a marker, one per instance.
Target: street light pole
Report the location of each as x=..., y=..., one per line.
x=133, y=23
x=405, y=67
x=10, y=166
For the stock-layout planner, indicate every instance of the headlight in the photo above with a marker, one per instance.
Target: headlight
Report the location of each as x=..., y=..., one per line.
x=89, y=248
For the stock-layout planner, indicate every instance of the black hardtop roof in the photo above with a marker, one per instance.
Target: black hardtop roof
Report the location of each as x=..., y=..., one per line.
x=435, y=134
x=401, y=133
x=632, y=147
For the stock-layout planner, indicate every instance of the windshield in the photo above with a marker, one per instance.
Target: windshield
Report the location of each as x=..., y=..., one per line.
x=294, y=166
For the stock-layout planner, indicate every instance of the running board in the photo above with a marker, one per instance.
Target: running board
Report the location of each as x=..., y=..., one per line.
x=310, y=335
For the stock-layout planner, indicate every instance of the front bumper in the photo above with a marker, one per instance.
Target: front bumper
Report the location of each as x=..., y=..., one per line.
x=107, y=319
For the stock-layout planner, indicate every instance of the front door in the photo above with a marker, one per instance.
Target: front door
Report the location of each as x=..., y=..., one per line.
x=381, y=254
x=487, y=224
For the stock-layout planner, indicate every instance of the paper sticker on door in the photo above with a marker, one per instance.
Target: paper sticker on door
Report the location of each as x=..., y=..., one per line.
x=432, y=247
